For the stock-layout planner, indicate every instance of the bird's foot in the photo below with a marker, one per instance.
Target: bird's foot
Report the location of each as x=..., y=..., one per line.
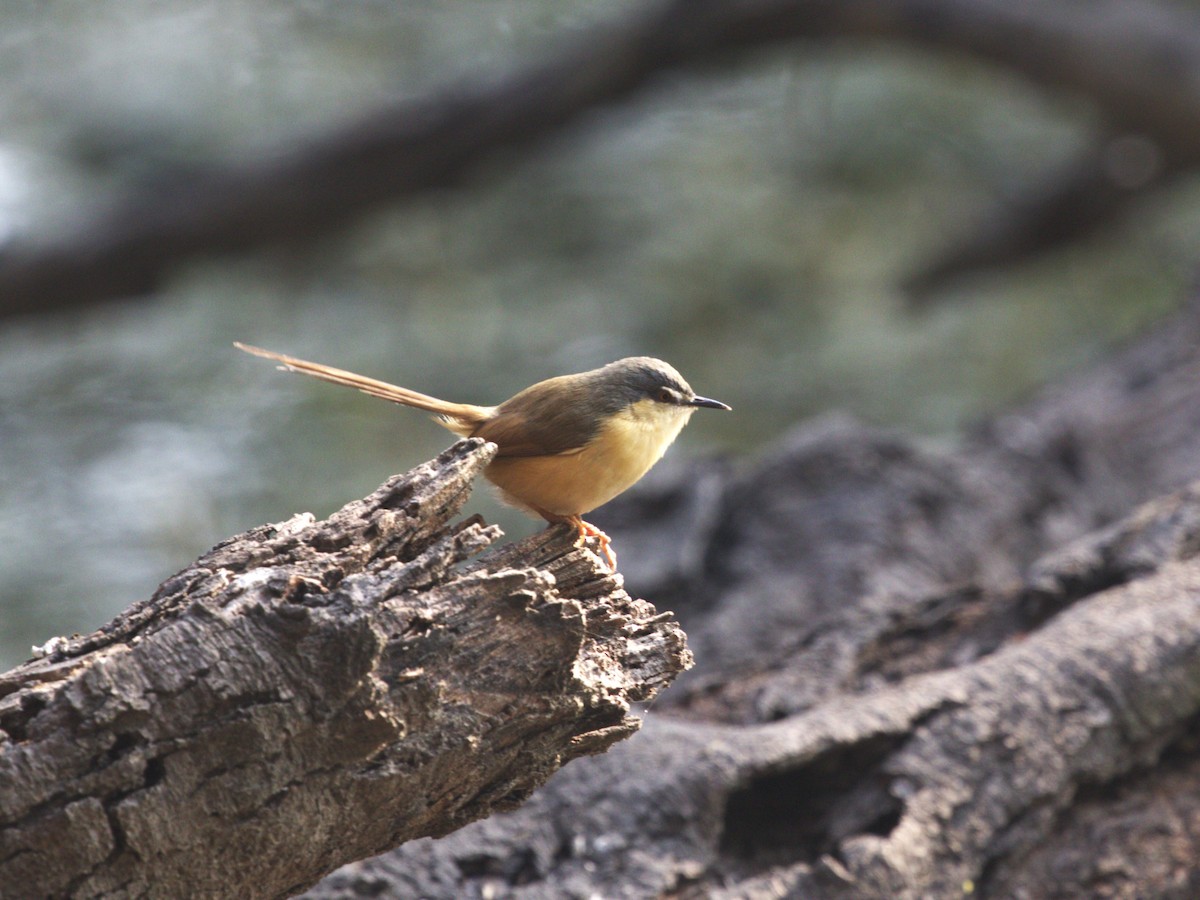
x=588, y=530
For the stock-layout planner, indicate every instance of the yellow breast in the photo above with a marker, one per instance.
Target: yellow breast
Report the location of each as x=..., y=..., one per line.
x=574, y=483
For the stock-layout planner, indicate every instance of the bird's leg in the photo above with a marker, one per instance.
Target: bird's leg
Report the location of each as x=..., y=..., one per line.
x=587, y=530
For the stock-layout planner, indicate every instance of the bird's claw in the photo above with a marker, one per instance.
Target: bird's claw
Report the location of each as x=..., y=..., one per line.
x=588, y=530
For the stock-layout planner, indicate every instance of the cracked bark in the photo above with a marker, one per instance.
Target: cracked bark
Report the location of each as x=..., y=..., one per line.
x=310, y=693
x=921, y=671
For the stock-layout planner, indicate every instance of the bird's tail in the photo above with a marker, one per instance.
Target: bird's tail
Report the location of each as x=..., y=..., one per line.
x=461, y=418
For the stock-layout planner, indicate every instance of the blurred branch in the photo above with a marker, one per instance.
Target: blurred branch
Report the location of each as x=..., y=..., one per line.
x=1139, y=63
x=1067, y=204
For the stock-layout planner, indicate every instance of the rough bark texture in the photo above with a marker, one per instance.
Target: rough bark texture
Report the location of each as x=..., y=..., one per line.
x=921, y=671
x=311, y=693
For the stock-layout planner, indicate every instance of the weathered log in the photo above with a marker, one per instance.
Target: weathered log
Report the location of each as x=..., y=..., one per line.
x=912, y=791
x=851, y=555
x=310, y=693
x=921, y=671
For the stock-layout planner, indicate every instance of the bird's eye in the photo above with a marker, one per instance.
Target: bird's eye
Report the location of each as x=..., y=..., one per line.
x=666, y=395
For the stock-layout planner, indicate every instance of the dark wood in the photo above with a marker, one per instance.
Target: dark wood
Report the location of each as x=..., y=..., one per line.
x=312, y=692
x=922, y=671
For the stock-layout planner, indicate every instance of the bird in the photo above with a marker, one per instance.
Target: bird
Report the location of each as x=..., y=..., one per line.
x=564, y=446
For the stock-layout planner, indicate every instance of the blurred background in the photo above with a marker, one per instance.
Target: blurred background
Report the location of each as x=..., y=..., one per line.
x=750, y=225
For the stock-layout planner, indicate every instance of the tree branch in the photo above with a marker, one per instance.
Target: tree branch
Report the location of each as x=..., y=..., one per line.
x=907, y=792
x=311, y=693
x=1065, y=205
x=922, y=671
x=1139, y=64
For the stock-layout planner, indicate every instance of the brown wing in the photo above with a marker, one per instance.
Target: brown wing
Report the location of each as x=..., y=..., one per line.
x=460, y=418
x=550, y=418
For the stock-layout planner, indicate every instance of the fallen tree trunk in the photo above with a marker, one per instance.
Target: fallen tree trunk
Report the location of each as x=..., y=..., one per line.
x=921, y=671
x=311, y=693
x=936, y=787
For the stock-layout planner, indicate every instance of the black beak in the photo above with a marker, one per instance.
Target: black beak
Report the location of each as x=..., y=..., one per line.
x=708, y=404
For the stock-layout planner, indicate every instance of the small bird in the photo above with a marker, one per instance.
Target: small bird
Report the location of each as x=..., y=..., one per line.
x=565, y=445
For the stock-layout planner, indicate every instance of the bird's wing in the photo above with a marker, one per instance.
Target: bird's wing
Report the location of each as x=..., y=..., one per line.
x=550, y=418
x=514, y=435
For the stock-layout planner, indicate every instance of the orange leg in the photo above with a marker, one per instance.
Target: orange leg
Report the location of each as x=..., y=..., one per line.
x=588, y=530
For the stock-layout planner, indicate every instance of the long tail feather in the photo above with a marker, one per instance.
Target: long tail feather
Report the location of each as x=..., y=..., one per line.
x=461, y=418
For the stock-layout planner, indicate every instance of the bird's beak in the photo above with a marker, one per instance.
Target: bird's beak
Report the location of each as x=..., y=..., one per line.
x=708, y=404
